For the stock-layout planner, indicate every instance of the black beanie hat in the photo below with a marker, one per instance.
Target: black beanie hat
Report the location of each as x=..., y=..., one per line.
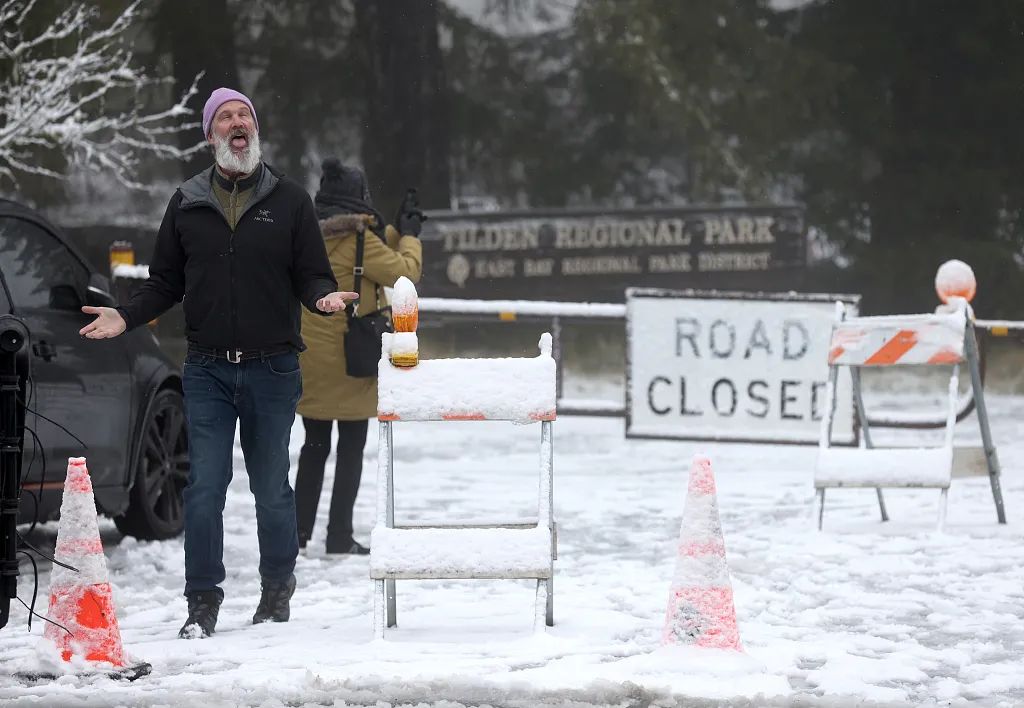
x=338, y=181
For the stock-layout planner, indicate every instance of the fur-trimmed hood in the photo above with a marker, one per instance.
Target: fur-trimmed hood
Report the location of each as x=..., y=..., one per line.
x=343, y=224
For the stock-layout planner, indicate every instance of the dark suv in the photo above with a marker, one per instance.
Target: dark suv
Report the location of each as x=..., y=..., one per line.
x=121, y=397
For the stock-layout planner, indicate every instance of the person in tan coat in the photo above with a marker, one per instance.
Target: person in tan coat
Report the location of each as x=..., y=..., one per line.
x=344, y=209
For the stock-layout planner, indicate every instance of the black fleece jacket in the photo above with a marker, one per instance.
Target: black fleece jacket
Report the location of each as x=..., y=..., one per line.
x=241, y=288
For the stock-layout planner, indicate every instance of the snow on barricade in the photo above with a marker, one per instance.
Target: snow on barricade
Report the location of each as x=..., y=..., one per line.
x=460, y=553
x=516, y=389
x=134, y=272
x=884, y=467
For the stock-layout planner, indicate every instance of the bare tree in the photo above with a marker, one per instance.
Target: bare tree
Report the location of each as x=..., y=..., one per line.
x=72, y=89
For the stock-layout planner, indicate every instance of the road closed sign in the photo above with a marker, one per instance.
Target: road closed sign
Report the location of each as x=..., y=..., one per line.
x=738, y=367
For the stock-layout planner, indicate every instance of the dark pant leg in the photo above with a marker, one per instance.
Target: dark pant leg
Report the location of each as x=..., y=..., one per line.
x=266, y=412
x=209, y=386
x=348, y=472
x=309, y=480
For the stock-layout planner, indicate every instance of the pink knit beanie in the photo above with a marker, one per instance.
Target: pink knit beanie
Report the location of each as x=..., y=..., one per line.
x=217, y=99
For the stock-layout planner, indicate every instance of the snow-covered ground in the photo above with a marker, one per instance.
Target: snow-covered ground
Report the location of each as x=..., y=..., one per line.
x=860, y=614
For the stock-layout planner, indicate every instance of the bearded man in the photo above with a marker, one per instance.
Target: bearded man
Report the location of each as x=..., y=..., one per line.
x=241, y=247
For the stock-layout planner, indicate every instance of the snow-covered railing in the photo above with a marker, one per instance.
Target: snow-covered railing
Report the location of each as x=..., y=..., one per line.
x=513, y=309
x=557, y=312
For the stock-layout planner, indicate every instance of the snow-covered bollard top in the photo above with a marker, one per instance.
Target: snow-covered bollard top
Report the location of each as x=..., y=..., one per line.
x=955, y=279
x=403, y=349
x=405, y=306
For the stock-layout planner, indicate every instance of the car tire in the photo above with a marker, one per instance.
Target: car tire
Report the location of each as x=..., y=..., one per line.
x=155, y=504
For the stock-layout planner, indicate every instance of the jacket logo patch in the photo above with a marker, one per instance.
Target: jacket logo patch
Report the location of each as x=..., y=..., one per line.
x=264, y=215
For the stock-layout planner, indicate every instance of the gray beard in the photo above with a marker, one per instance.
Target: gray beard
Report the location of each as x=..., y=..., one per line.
x=244, y=162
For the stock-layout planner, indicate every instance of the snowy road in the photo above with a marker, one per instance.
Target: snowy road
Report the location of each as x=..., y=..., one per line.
x=862, y=613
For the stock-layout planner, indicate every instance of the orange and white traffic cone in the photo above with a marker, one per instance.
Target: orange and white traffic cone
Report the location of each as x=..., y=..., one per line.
x=81, y=600
x=700, y=605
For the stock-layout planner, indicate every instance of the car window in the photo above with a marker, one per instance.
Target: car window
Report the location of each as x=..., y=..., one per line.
x=34, y=261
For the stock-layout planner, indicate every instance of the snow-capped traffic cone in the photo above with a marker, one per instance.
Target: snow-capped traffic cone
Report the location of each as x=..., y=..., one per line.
x=81, y=598
x=701, y=612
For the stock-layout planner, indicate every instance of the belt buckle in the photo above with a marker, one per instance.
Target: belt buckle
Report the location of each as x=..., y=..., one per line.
x=238, y=356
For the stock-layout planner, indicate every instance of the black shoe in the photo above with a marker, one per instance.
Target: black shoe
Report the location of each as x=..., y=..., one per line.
x=203, y=608
x=274, y=601
x=355, y=548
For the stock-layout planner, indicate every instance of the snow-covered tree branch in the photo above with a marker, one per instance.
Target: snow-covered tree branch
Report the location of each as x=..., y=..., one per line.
x=72, y=89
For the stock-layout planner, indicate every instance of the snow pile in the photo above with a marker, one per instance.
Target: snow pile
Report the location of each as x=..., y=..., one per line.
x=516, y=389
x=460, y=553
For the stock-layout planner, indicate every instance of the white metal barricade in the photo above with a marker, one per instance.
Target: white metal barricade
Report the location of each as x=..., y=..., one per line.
x=944, y=338
x=520, y=390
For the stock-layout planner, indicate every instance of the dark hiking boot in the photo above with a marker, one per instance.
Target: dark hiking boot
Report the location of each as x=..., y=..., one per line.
x=274, y=601
x=203, y=608
x=354, y=548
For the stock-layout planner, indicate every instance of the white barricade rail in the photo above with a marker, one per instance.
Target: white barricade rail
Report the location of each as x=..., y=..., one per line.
x=944, y=338
x=520, y=390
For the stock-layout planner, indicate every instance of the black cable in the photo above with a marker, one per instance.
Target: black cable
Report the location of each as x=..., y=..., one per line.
x=46, y=557
x=42, y=477
x=35, y=591
x=35, y=514
x=53, y=422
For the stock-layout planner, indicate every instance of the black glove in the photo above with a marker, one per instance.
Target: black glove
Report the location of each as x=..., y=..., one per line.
x=410, y=222
x=410, y=217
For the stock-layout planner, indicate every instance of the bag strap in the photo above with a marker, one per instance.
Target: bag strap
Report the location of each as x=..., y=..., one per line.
x=357, y=271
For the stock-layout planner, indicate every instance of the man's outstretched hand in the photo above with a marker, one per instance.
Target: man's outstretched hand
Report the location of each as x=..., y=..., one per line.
x=108, y=323
x=335, y=301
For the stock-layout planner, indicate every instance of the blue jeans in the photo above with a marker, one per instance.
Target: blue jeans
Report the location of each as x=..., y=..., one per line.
x=261, y=395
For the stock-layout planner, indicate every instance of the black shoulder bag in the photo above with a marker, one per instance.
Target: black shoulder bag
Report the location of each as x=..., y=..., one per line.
x=362, y=341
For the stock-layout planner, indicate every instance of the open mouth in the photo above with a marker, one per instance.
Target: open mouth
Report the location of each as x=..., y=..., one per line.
x=239, y=140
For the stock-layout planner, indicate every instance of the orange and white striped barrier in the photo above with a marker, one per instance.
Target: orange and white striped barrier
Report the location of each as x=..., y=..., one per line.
x=946, y=337
x=81, y=598
x=701, y=611
x=889, y=341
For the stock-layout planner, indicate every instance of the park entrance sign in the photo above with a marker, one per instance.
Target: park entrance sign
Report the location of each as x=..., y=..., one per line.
x=743, y=367
x=594, y=255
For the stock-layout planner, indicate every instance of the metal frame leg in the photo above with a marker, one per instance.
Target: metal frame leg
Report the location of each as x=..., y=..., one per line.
x=378, y=609
x=862, y=415
x=881, y=504
x=549, y=610
x=986, y=434
x=821, y=507
x=389, y=584
x=943, y=503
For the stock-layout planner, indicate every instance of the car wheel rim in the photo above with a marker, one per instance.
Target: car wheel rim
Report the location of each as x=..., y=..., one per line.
x=165, y=463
